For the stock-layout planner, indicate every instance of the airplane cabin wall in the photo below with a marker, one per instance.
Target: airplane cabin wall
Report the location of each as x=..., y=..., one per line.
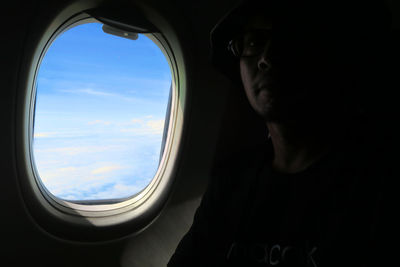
x=24, y=241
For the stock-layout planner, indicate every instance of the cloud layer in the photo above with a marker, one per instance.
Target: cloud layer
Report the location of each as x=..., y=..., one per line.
x=103, y=164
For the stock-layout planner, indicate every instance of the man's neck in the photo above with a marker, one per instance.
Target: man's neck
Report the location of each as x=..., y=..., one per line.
x=296, y=147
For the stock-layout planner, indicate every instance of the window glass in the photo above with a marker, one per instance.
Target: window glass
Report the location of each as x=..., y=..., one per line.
x=101, y=103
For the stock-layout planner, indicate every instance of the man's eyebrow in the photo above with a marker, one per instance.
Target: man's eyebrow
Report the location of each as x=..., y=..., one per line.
x=258, y=30
x=251, y=26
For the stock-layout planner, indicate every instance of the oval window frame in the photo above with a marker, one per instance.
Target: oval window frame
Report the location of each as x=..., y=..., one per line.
x=132, y=214
x=96, y=208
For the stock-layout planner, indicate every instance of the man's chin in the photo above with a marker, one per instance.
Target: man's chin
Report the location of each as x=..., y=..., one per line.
x=268, y=118
x=273, y=114
x=270, y=115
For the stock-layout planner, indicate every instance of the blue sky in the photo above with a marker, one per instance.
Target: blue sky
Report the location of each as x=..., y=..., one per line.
x=100, y=110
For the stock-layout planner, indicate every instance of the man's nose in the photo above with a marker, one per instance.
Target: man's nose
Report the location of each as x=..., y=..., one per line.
x=264, y=61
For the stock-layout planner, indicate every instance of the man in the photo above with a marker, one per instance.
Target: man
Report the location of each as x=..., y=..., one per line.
x=312, y=196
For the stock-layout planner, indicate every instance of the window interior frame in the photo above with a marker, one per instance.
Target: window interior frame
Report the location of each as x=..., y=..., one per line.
x=77, y=221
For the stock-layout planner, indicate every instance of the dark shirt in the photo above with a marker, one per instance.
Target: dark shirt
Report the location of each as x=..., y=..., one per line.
x=327, y=215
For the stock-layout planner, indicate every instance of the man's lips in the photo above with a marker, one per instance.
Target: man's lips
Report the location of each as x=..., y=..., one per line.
x=265, y=82
x=266, y=86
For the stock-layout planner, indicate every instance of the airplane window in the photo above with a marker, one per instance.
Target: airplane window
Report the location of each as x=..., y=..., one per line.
x=100, y=114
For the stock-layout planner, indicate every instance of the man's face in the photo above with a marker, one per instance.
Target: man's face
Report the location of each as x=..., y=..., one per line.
x=256, y=70
x=260, y=68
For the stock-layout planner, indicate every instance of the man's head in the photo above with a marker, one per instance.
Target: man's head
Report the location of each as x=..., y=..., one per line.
x=296, y=61
x=253, y=48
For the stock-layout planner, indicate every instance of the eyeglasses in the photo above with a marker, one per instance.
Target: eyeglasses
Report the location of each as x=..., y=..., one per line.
x=249, y=44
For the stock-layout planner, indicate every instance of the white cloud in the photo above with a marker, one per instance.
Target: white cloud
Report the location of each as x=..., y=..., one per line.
x=62, y=133
x=45, y=134
x=103, y=165
x=99, y=122
x=146, y=127
x=95, y=92
x=106, y=169
x=79, y=182
x=72, y=151
x=156, y=125
x=118, y=191
x=88, y=91
x=67, y=169
x=136, y=121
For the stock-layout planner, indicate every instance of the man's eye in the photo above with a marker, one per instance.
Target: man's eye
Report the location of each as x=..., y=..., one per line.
x=254, y=42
